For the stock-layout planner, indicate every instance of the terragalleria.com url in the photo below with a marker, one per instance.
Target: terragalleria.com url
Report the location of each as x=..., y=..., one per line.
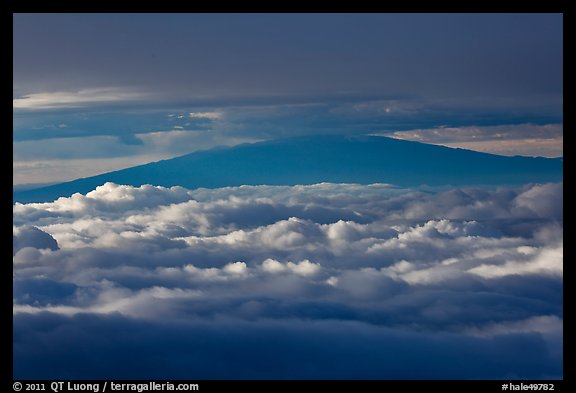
x=153, y=386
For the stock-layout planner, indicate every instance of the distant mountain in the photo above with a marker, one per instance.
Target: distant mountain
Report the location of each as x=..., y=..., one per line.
x=314, y=159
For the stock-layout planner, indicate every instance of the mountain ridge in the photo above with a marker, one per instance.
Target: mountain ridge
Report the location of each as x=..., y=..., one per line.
x=315, y=159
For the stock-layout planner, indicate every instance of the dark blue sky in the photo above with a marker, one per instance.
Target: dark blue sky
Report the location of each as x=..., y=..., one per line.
x=116, y=79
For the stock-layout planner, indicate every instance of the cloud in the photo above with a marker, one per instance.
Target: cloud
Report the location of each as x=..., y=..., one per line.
x=544, y=200
x=546, y=261
x=205, y=115
x=63, y=159
x=519, y=139
x=75, y=99
x=153, y=125
x=183, y=141
x=357, y=280
x=302, y=268
x=102, y=146
x=29, y=236
x=497, y=132
x=264, y=350
x=33, y=170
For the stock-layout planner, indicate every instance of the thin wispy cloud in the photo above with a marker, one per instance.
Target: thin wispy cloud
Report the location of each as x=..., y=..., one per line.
x=206, y=115
x=518, y=139
x=76, y=99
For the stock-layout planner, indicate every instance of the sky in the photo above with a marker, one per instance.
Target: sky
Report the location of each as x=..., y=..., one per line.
x=98, y=92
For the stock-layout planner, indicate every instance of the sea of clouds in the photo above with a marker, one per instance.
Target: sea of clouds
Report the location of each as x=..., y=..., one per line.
x=320, y=281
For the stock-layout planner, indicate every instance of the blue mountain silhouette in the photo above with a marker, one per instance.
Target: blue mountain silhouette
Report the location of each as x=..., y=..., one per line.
x=315, y=159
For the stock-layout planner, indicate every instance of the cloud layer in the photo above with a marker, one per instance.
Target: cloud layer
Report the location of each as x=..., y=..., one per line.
x=519, y=139
x=321, y=281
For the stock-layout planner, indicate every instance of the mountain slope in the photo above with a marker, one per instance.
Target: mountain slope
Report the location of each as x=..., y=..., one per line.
x=308, y=160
